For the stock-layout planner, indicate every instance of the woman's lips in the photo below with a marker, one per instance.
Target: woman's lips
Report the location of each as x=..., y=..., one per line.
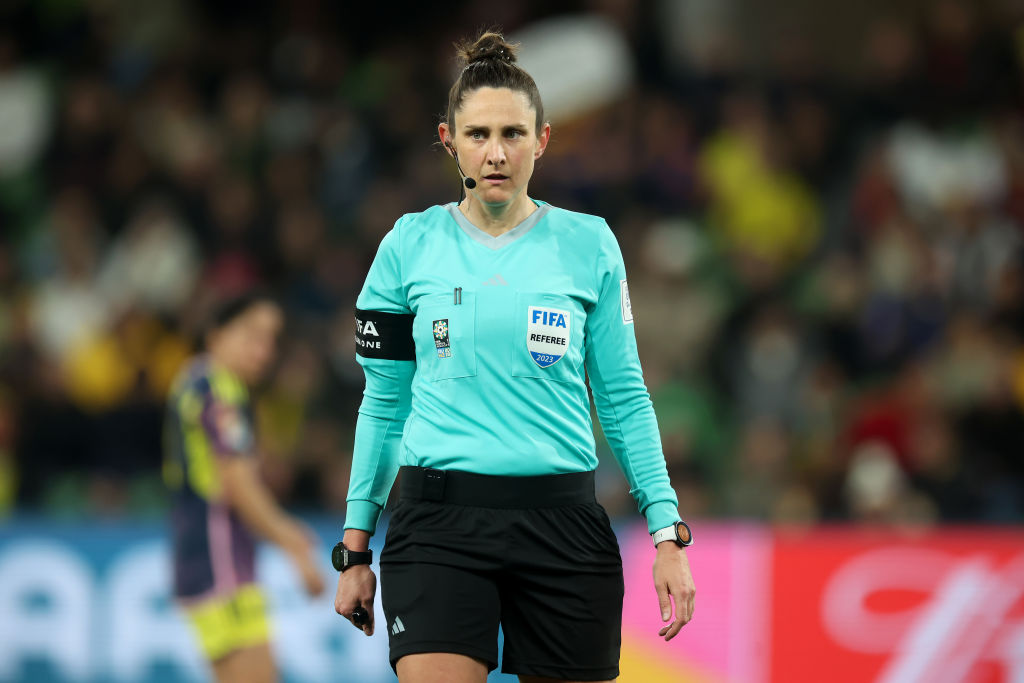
x=495, y=179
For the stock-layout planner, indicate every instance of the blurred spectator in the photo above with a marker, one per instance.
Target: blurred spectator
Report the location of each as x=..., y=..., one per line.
x=877, y=490
x=87, y=128
x=936, y=169
x=761, y=476
x=25, y=110
x=63, y=259
x=153, y=265
x=666, y=176
x=767, y=218
x=892, y=87
x=134, y=360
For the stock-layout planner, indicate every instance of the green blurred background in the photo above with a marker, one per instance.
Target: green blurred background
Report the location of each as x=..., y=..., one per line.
x=820, y=204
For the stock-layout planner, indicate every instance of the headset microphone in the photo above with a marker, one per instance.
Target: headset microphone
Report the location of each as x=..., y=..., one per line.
x=466, y=180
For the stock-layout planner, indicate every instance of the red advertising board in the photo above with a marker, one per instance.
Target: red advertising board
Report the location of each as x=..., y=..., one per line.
x=857, y=605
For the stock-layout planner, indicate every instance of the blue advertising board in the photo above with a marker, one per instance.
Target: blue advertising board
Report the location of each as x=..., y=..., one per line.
x=89, y=602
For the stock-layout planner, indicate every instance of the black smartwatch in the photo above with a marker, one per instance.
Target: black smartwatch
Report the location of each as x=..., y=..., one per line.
x=342, y=558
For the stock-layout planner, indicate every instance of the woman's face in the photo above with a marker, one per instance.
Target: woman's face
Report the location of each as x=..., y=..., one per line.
x=248, y=343
x=495, y=135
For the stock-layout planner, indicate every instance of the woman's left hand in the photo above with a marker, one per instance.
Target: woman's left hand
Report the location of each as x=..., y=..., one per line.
x=672, y=577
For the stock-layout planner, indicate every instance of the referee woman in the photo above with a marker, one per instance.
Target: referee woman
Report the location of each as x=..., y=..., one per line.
x=477, y=326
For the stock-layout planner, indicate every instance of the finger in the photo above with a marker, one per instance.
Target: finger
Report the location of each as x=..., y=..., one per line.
x=674, y=629
x=362, y=618
x=665, y=616
x=345, y=607
x=664, y=603
x=684, y=612
x=684, y=597
x=339, y=603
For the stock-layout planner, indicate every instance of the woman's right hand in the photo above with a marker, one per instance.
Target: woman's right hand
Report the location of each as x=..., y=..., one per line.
x=357, y=587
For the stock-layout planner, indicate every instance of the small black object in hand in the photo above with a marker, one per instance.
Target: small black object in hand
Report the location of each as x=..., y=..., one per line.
x=360, y=616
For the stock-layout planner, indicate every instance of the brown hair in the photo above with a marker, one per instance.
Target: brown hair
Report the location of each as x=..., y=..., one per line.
x=490, y=62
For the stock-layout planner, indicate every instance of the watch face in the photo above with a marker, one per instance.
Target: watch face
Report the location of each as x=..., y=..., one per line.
x=338, y=557
x=683, y=533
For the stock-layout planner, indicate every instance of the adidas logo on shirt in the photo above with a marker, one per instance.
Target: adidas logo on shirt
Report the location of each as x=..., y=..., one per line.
x=397, y=627
x=496, y=281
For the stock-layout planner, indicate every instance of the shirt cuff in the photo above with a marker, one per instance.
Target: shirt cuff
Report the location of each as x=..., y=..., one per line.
x=363, y=515
x=659, y=515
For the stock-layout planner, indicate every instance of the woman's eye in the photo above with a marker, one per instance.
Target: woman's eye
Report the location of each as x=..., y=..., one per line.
x=477, y=135
x=514, y=134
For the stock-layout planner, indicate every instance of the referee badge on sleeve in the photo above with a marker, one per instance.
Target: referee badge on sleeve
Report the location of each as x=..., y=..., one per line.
x=627, y=307
x=547, y=334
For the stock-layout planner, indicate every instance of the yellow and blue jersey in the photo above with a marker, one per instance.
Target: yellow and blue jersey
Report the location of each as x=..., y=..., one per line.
x=209, y=416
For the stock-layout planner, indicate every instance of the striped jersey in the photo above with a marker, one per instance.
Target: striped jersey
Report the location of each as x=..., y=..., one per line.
x=208, y=417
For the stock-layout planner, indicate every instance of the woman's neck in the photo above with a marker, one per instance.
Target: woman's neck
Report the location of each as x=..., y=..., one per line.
x=496, y=220
x=219, y=362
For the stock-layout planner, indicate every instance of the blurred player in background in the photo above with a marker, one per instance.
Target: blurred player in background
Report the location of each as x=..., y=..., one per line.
x=219, y=502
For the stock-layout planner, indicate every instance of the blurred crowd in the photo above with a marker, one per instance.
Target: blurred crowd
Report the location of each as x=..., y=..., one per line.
x=826, y=254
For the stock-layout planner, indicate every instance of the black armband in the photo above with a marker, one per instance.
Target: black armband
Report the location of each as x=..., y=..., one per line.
x=385, y=335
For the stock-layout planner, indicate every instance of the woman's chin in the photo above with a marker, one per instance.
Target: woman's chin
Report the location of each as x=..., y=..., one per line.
x=496, y=197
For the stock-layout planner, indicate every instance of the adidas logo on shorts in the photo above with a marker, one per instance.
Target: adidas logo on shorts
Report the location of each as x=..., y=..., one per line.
x=397, y=627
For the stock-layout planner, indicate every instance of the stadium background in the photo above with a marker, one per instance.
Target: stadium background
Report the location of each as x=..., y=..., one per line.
x=821, y=208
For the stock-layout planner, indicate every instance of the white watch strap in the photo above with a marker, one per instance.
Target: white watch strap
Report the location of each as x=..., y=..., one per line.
x=666, y=534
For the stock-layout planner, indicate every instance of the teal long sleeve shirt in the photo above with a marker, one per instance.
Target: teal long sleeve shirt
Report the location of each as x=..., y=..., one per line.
x=506, y=329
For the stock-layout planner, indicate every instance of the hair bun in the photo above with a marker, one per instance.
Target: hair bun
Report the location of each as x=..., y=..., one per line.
x=490, y=45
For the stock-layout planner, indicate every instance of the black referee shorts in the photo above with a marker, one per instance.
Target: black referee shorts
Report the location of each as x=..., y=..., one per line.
x=466, y=552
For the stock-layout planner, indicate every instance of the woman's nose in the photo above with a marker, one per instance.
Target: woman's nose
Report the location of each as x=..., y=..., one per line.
x=495, y=153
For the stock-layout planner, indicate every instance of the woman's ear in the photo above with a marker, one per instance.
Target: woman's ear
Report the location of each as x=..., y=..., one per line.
x=445, y=135
x=542, y=141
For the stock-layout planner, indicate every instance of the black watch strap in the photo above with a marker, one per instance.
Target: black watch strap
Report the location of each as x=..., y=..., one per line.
x=342, y=558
